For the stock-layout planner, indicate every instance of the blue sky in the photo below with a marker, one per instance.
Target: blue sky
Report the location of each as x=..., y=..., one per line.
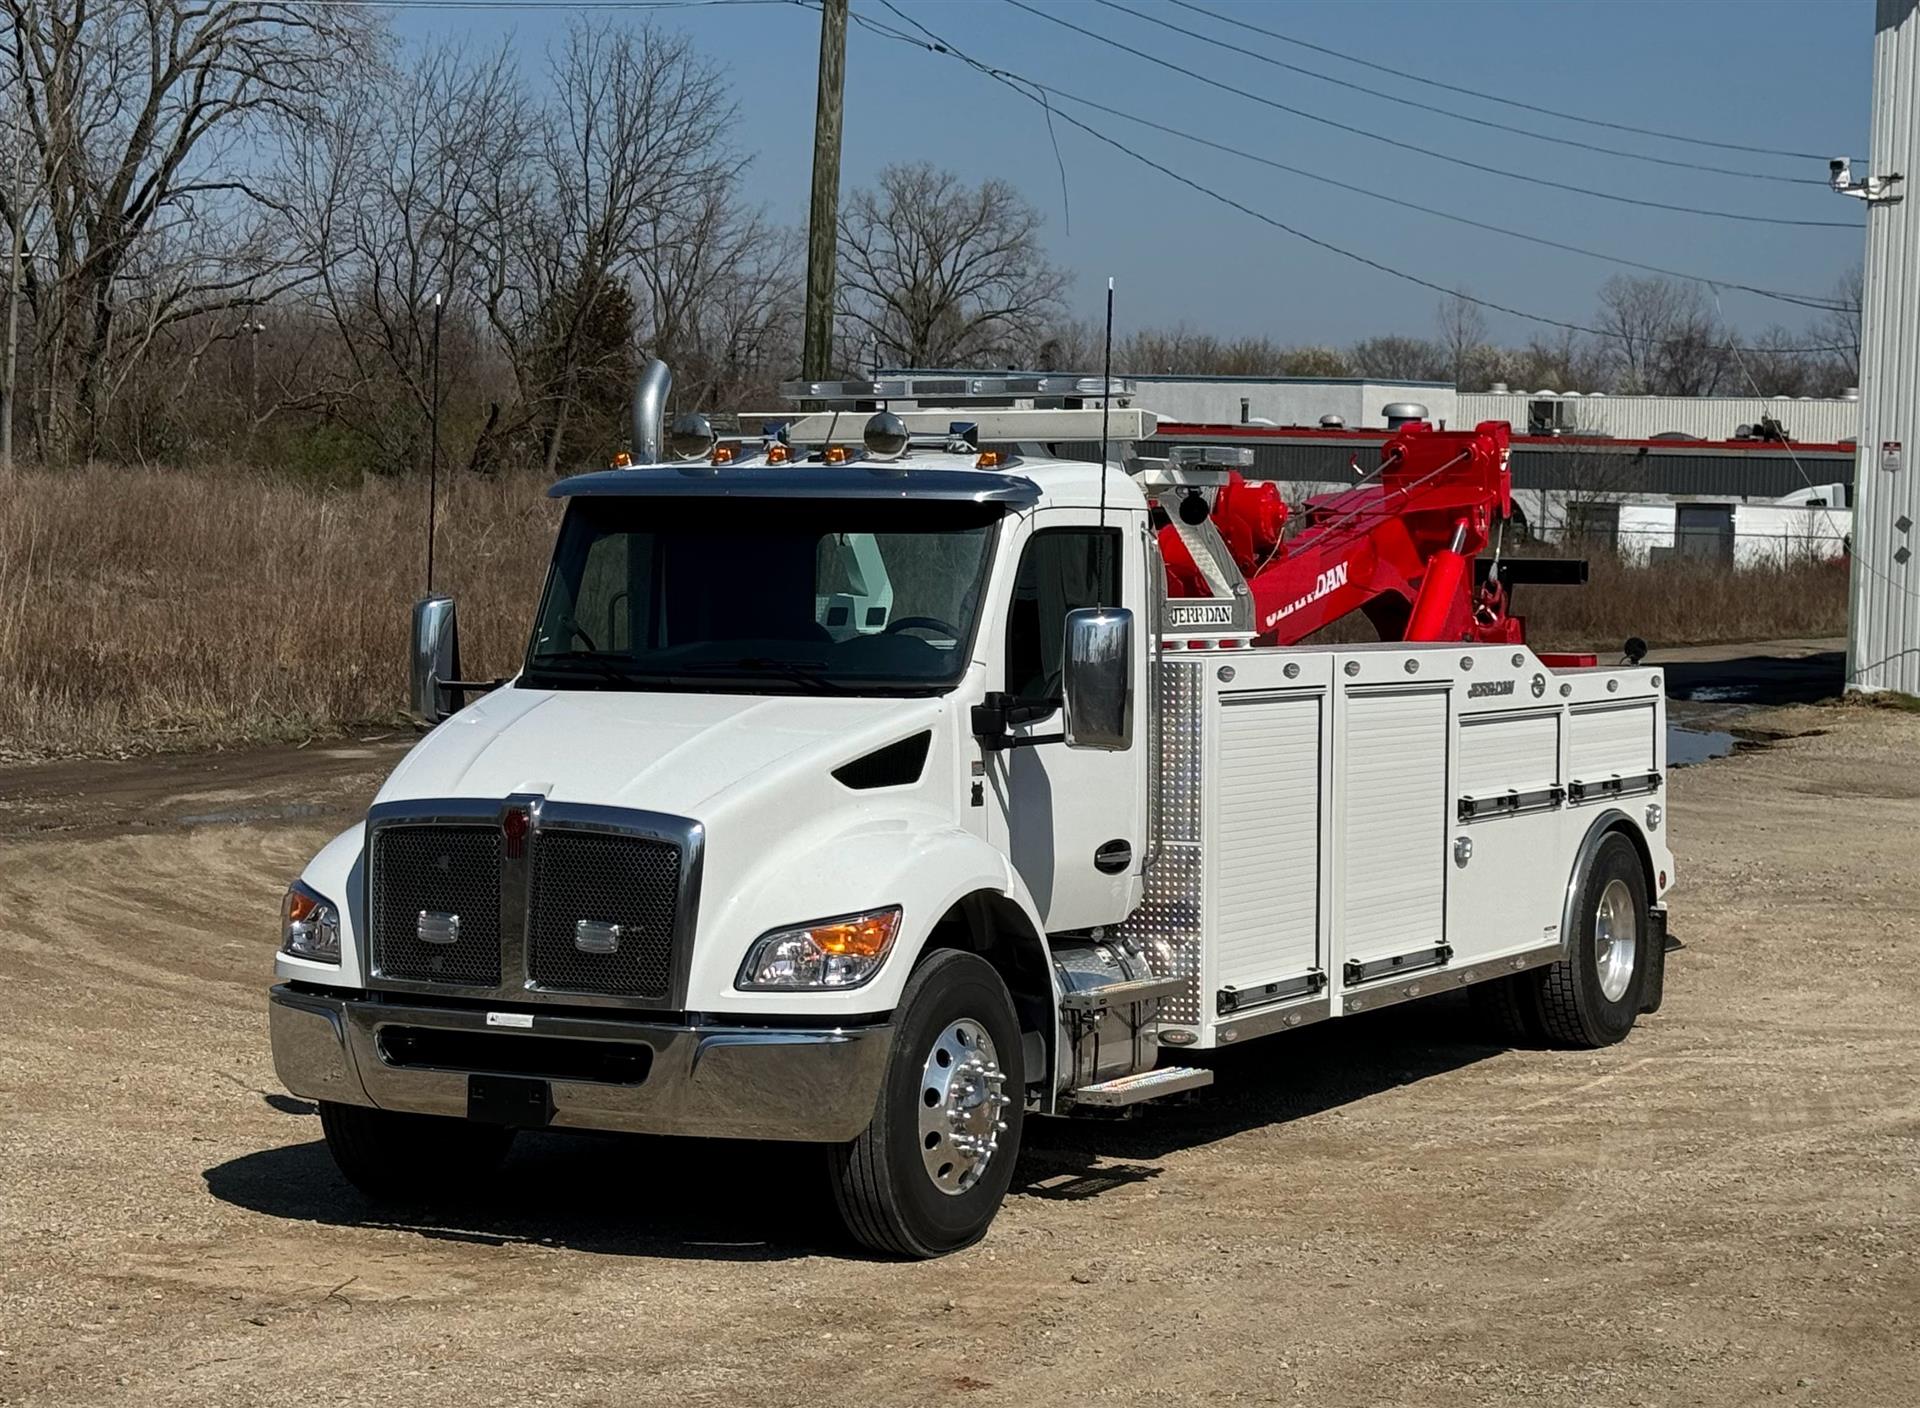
x=1789, y=75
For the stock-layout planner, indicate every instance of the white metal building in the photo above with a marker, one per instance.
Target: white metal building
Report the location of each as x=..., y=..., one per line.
x=1287, y=400
x=1806, y=419
x=1883, y=633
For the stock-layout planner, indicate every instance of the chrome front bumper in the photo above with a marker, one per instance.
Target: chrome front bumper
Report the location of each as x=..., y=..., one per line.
x=721, y=1082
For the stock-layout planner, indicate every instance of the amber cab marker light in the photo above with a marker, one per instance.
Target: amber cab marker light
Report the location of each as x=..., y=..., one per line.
x=777, y=454
x=623, y=460
x=723, y=454
x=989, y=459
x=836, y=454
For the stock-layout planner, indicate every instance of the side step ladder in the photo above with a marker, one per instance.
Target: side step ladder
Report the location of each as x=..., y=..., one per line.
x=1142, y=1085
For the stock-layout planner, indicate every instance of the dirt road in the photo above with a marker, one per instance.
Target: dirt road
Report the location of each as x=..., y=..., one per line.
x=1722, y=1211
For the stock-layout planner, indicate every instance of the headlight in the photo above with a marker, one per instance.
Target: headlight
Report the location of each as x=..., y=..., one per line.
x=828, y=953
x=309, y=925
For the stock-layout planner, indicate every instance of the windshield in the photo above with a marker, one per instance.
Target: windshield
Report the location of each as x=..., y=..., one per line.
x=762, y=595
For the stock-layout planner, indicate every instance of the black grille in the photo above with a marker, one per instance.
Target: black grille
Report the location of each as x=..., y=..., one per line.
x=444, y=870
x=623, y=880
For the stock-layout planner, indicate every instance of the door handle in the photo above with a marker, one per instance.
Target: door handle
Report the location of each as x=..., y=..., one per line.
x=1113, y=857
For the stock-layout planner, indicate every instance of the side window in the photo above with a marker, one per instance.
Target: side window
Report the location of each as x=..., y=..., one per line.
x=1061, y=570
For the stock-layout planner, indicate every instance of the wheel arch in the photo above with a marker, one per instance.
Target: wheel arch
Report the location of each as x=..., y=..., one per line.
x=996, y=927
x=1609, y=822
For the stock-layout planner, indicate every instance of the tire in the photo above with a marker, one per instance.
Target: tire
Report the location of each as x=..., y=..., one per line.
x=400, y=1158
x=1590, y=998
x=905, y=1188
x=1509, y=1009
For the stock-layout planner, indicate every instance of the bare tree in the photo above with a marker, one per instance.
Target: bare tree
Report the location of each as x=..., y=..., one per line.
x=1664, y=337
x=139, y=119
x=393, y=195
x=1397, y=358
x=1593, y=483
x=636, y=161
x=1463, y=335
x=942, y=274
x=1840, y=330
x=1567, y=362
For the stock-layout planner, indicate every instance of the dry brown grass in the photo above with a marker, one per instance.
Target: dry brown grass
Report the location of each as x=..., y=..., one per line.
x=1686, y=603
x=148, y=609
x=172, y=608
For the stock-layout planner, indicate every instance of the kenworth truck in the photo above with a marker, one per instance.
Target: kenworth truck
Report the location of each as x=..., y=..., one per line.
x=880, y=791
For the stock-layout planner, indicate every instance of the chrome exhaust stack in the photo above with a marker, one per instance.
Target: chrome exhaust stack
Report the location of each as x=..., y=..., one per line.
x=650, y=412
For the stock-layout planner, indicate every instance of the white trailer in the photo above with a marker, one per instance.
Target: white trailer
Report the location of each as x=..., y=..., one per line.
x=876, y=797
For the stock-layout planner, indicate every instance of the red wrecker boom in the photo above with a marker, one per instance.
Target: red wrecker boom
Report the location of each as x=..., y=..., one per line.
x=1399, y=545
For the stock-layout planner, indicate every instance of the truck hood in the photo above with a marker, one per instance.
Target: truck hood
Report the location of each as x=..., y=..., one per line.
x=666, y=752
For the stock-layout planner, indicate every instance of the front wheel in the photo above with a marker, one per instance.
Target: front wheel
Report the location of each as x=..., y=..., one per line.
x=929, y=1173
x=1589, y=999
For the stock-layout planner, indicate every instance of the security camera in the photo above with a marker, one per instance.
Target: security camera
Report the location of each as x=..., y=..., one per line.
x=1841, y=173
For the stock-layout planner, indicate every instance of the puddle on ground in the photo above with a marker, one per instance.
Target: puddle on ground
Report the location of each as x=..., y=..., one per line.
x=1686, y=746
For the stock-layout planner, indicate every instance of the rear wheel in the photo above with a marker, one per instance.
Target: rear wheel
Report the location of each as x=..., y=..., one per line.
x=1590, y=998
x=930, y=1171
x=396, y=1157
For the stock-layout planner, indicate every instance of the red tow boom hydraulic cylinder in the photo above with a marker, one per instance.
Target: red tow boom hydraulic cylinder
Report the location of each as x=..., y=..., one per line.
x=1400, y=545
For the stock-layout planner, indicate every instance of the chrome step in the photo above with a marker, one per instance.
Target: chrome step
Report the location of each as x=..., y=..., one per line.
x=1142, y=1085
x=1121, y=994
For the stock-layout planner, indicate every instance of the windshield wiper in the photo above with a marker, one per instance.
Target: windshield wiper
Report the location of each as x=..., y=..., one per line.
x=602, y=663
x=807, y=672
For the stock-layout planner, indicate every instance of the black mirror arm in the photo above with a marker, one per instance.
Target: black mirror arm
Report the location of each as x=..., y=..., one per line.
x=996, y=716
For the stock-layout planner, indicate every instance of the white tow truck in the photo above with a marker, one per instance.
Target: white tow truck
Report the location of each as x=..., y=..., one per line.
x=872, y=791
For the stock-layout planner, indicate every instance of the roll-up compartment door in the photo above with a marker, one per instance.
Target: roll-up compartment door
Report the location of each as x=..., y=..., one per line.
x=1267, y=857
x=1391, y=796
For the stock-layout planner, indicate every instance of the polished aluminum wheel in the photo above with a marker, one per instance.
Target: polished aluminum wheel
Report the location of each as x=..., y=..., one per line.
x=962, y=1099
x=1616, y=939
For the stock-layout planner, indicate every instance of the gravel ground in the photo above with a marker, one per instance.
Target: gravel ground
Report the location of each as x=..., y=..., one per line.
x=1720, y=1211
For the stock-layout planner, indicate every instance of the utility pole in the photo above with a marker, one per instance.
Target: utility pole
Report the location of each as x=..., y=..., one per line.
x=253, y=327
x=816, y=352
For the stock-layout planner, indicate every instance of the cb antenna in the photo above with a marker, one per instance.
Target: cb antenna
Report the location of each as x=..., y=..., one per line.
x=1106, y=403
x=433, y=461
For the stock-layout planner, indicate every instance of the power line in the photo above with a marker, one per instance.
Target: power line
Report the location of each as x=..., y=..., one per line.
x=1495, y=98
x=935, y=43
x=1529, y=133
x=1504, y=174
x=1825, y=305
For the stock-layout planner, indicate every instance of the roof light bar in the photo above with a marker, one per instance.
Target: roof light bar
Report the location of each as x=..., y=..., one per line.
x=955, y=388
x=1212, y=456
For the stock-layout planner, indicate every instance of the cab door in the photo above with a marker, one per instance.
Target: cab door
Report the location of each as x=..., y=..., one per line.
x=1074, y=818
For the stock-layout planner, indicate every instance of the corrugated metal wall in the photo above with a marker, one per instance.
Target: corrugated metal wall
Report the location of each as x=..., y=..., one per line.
x=1820, y=422
x=1883, y=635
x=1216, y=400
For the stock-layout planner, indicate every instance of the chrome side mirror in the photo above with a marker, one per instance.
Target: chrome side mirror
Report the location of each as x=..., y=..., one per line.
x=435, y=660
x=1097, y=678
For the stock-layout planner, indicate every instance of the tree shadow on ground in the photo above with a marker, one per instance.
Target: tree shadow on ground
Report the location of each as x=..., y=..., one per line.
x=629, y=1195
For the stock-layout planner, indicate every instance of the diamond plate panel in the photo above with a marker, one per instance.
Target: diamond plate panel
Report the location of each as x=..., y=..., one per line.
x=1168, y=922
